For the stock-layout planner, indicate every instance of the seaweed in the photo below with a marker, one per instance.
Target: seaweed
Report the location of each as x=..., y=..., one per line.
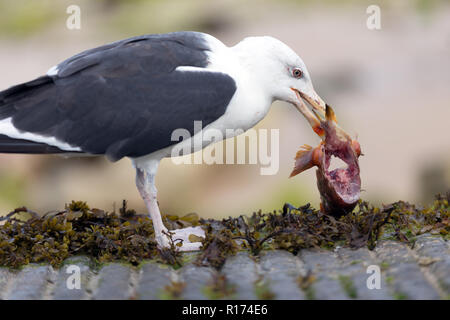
x=26, y=237
x=78, y=230
x=217, y=246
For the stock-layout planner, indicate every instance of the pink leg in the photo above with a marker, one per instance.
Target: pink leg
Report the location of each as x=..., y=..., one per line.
x=145, y=182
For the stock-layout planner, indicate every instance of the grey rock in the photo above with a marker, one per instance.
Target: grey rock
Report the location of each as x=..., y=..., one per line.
x=328, y=288
x=354, y=264
x=432, y=247
x=354, y=261
x=241, y=271
x=318, y=260
x=441, y=271
x=325, y=266
x=434, y=254
x=362, y=290
x=409, y=282
x=282, y=269
x=392, y=252
x=113, y=282
x=154, y=277
x=5, y=278
x=418, y=273
x=30, y=283
x=349, y=257
x=196, y=279
x=65, y=289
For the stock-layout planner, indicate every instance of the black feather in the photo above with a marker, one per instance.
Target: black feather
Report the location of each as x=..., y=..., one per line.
x=124, y=98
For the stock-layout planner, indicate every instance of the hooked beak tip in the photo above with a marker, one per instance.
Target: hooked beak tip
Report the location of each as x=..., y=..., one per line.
x=313, y=116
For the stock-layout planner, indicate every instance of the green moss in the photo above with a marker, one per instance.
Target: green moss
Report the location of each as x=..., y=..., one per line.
x=348, y=286
x=172, y=291
x=384, y=265
x=262, y=290
x=389, y=280
x=219, y=288
x=400, y=296
x=78, y=206
x=188, y=257
x=306, y=284
x=310, y=294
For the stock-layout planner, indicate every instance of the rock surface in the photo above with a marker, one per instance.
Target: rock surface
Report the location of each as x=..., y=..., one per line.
x=421, y=272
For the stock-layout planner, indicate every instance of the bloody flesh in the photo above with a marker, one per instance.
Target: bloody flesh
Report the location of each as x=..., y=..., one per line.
x=339, y=188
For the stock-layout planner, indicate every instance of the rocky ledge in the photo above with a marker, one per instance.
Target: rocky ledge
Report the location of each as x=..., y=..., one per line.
x=418, y=272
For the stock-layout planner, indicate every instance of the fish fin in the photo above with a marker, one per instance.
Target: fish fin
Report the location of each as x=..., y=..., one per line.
x=303, y=149
x=304, y=160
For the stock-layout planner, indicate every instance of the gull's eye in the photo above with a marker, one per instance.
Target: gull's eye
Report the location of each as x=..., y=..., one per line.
x=297, y=73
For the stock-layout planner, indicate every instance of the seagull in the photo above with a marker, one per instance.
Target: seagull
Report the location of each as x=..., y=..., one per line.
x=124, y=100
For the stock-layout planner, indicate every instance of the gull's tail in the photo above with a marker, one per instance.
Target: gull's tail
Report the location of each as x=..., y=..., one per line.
x=12, y=139
x=11, y=145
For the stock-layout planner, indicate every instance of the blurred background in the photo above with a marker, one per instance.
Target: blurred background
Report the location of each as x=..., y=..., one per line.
x=390, y=87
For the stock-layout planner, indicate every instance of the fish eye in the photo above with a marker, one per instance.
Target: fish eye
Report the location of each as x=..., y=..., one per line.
x=297, y=73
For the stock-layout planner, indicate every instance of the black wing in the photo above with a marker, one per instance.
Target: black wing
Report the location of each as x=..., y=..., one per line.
x=124, y=98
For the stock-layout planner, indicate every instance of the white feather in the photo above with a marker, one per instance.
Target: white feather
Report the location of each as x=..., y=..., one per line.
x=7, y=128
x=53, y=71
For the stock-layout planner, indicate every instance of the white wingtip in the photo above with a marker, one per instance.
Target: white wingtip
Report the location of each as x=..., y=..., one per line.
x=53, y=71
x=7, y=128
